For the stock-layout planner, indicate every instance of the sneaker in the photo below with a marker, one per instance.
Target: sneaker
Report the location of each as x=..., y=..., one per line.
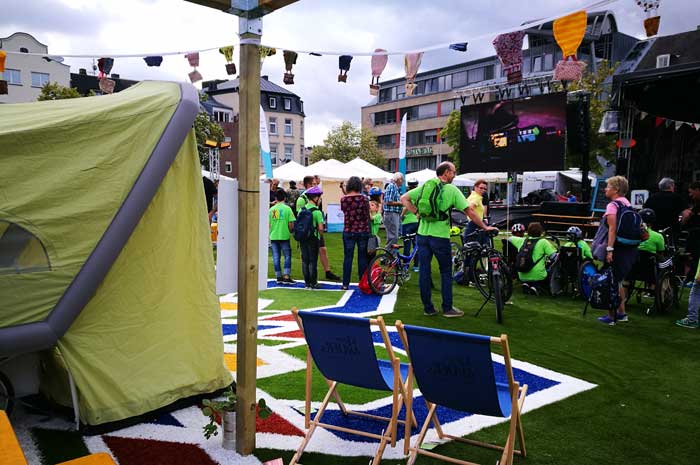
x=431, y=312
x=415, y=269
x=332, y=276
x=686, y=323
x=344, y=288
x=607, y=320
x=622, y=317
x=454, y=312
x=315, y=286
x=287, y=279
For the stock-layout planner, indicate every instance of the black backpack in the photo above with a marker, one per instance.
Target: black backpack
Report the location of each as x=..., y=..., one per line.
x=524, y=261
x=605, y=294
x=304, y=225
x=629, y=225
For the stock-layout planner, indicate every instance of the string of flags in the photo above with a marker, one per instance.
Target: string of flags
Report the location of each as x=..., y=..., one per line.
x=568, y=31
x=668, y=122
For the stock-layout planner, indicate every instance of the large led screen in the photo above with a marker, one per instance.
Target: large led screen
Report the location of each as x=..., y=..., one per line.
x=514, y=135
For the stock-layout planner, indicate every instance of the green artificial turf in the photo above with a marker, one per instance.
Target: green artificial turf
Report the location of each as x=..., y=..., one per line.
x=271, y=342
x=285, y=299
x=645, y=409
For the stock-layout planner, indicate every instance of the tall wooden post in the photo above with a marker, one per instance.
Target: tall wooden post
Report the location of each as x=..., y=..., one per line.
x=248, y=234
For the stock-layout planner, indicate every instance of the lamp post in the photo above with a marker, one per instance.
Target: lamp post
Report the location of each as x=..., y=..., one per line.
x=250, y=13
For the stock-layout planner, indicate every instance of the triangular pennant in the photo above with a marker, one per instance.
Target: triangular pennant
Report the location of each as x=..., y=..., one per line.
x=658, y=121
x=459, y=47
x=153, y=60
x=569, y=31
x=643, y=114
x=678, y=125
x=669, y=122
x=696, y=126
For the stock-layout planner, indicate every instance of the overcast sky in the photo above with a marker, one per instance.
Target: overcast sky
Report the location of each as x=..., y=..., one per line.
x=104, y=27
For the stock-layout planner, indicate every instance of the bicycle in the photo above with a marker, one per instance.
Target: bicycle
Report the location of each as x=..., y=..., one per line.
x=489, y=270
x=389, y=267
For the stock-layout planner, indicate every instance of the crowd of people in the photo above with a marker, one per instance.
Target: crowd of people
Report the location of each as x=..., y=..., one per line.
x=366, y=208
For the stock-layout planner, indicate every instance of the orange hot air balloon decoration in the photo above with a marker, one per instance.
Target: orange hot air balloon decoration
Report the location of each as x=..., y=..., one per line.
x=568, y=32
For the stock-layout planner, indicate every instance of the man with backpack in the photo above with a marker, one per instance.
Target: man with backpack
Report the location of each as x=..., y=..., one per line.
x=530, y=261
x=432, y=203
x=308, y=231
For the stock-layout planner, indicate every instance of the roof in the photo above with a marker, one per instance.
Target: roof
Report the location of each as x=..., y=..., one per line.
x=599, y=22
x=684, y=48
x=265, y=86
x=210, y=105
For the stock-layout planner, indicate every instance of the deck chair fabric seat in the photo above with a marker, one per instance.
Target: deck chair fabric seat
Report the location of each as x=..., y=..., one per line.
x=456, y=370
x=343, y=350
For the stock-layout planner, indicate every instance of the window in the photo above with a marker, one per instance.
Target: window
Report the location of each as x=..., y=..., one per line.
x=23, y=50
x=287, y=104
x=475, y=75
x=386, y=142
x=13, y=76
x=273, y=153
x=420, y=163
x=272, y=102
x=222, y=116
x=430, y=136
x=288, y=152
x=39, y=79
x=385, y=117
x=288, y=129
x=459, y=79
x=446, y=107
x=549, y=61
x=489, y=72
x=427, y=111
x=228, y=168
x=388, y=94
x=400, y=92
x=537, y=64
x=412, y=113
x=273, y=125
x=20, y=250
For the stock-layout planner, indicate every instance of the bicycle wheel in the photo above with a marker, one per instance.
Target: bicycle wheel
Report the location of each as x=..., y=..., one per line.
x=480, y=274
x=496, y=283
x=7, y=394
x=506, y=281
x=585, y=274
x=383, y=274
x=665, y=292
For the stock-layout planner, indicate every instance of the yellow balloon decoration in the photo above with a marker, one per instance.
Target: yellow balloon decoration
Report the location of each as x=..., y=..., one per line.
x=569, y=31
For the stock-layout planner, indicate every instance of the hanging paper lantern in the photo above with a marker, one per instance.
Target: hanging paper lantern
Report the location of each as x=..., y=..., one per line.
x=411, y=63
x=344, y=65
x=290, y=59
x=107, y=85
x=3, y=57
x=378, y=64
x=195, y=76
x=652, y=21
x=153, y=60
x=193, y=59
x=509, y=48
x=459, y=47
x=105, y=66
x=568, y=32
x=227, y=52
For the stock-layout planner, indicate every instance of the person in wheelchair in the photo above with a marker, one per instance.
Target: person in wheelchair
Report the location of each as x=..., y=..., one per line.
x=535, y=279
x=574, y=237
x=518, y=235
x=573, y=255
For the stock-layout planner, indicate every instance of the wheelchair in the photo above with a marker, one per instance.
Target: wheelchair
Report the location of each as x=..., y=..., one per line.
x=570, y=273
x=509, y=254
x=654, y=278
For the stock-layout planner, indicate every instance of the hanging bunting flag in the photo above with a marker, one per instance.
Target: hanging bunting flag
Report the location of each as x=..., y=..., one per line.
x=459, y=47
x=696, y=126
x=658, y=121
x=509, y=48
x=227, y=52
x=669, y=123
x=568, y=32
x=290, y=59
x=652, y=21
x=3, y=57
x=679, y=124
x=344, y=65
x=265, y=145
x=193, y=59
x=411, y=63
x=378, y=64
x=105, y=66
x=106, y=85
x=266, y=52
x=643, y=114
x=153, y=60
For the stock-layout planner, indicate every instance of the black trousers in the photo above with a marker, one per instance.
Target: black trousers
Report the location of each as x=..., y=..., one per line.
x=309, y=260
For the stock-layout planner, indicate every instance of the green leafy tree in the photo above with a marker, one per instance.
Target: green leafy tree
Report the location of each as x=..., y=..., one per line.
x=347, y=142
x=450, y=134
x=206, y=129
x=55, y=91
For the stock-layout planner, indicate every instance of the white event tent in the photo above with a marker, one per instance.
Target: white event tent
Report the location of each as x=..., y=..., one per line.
x=364, y=169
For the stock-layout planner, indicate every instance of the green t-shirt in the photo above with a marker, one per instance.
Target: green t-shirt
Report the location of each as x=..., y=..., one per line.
x=585, y=248
x=451, y=197
x=517, y=241
x=410, y=218
x=654, y=244
x=376, y=222
x=542, y=250
x=318, y=219
x=280, y=217
x=301, y=202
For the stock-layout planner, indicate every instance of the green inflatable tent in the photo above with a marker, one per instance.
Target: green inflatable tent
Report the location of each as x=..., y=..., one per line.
x=106, y=264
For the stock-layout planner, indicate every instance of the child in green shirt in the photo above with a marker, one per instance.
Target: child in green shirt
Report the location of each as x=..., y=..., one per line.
x=375, y=221
x=575, y=239
x=281, y=224
x=310, y=247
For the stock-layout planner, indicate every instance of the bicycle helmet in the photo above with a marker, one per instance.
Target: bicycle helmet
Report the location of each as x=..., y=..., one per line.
x=574, y=234
x=518, y=228
x=375, y=191
x=648, y=215
x=455, y=231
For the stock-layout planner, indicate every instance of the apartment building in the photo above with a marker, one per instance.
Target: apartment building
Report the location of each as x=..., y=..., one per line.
x=443, y=90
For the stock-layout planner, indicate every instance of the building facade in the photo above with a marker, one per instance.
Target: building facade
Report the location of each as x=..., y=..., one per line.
x=26, y=73
x=284, y=113
x=443, y=90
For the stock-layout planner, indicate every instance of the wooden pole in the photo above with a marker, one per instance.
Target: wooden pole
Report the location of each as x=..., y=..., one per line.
x=248, y=210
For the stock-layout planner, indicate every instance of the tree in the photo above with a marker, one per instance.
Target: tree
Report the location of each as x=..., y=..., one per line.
x=347, y=142
x=206, y=129
x=55, y=91
x=450, y=134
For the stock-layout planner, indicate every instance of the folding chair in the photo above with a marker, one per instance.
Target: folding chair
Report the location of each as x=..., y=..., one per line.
x=455, y=370
x=343, y=351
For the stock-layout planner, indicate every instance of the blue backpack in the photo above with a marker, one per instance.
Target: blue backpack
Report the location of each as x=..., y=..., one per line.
x=605, y=294
x=629, y=225
x=304, y=225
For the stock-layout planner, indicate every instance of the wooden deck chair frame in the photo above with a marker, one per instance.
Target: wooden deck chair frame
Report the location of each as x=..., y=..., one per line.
x=517, y=394
x=399, y=393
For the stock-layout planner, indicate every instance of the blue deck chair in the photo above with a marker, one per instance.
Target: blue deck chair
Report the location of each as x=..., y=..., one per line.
x=343, y=351
x=455, y=370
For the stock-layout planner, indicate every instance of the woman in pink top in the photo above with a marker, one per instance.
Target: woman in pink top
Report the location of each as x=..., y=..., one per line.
x=355, y=207
x=621, y=257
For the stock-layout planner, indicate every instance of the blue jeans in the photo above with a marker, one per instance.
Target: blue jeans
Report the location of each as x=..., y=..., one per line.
x=279, y=248
x=440, y=247
x=351, y=239
x=410, y=228
x=694, y=302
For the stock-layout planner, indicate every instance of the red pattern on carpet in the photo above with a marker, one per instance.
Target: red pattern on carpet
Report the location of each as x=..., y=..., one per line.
x=130, y=451
x=275, y=424
x=297, y=334
x=289, y=317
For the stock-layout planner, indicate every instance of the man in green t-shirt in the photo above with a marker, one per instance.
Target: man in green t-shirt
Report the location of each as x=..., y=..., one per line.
x=281, y=224
x=434, y=239
x=655, y=244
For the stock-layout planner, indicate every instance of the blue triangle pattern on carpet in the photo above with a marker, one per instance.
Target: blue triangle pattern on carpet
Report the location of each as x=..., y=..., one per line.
x=230, y=330
x=166, y=419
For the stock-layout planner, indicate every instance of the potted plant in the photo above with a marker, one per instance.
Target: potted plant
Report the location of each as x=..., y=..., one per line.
x=223, y=412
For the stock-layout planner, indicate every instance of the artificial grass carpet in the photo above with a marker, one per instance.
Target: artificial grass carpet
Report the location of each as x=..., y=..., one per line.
x=285, y=299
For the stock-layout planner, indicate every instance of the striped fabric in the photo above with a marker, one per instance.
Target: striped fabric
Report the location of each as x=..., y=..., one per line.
x=569, y=31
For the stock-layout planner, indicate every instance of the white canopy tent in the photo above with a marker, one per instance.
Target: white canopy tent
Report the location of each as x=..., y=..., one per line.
x=422, y=175
x=290, y=171
x=364, y=169
x=329, y=169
